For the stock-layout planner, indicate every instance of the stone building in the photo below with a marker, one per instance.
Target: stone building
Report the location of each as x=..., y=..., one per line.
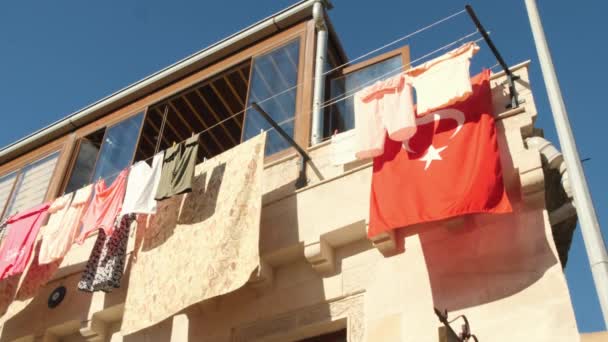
x=319, y=275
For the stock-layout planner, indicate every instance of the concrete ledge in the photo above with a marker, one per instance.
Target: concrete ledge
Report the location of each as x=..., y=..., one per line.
x=320, y=255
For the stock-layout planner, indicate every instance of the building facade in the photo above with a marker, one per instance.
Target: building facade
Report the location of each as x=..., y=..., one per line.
x=319, y=276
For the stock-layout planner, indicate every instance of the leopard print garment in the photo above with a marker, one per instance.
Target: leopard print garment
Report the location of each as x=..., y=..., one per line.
x=107, y=261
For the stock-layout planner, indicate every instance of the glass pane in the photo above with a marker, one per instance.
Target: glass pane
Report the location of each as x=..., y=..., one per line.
x=6, y=185
x=274, y=73
x=32, y=185
x=85, y=161
x=340, y=116
x=117, y=148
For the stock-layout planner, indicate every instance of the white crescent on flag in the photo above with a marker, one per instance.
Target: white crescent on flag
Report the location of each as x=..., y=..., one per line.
x=433, y=153
x=442, y=114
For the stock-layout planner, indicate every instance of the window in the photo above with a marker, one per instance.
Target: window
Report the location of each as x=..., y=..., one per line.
x=117, y=148
x=28, y=186
x=104, y=153
x=340, y=115
x=211, y=107
x=85, y=161
x=274, y=74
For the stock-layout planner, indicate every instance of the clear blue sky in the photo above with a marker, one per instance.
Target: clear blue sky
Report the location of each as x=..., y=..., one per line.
x=57, y=57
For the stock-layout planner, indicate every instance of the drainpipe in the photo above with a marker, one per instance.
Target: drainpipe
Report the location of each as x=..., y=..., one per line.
x=318, y=13
x=556, y=162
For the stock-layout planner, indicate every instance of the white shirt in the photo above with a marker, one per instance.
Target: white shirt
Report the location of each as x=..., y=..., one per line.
x=141, y=187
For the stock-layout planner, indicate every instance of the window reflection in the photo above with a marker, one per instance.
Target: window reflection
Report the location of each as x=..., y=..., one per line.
x=85, y=161
x=340, y=116
x=117, y=148
x=274, y=74
x=104, y=153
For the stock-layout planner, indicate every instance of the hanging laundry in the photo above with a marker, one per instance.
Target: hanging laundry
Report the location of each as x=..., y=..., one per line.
x=142, y=185
x=343, y=148
x=8, y=289
x=199, y=245
x=22, y=231
x=386, y=106
x=444, y=80
x=57, y=211
x=451, y=167
x=62, y=228
x=178, y=168
x=106, y=264
x=36, y=274
x=104, y=207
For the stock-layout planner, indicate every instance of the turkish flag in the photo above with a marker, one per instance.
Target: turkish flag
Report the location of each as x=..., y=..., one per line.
x=450, y=167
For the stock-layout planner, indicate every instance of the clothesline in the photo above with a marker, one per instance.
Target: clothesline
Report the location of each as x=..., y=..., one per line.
x=395, y=71
x=332, y=101
x=400, y=39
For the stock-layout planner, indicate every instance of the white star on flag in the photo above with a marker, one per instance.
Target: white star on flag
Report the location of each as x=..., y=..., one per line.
x=431, y=154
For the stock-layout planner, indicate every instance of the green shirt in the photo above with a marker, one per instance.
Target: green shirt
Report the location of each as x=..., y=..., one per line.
x=178, y=169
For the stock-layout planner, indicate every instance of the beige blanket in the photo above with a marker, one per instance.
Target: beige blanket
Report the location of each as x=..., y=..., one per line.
x=202, y=244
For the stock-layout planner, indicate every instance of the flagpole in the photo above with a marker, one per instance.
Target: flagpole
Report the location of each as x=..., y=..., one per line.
x=590, y=228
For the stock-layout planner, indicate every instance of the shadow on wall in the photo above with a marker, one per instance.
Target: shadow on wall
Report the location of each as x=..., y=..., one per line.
x=279, y=310
x=487, y=258
x=37, y=317
x=187, y=209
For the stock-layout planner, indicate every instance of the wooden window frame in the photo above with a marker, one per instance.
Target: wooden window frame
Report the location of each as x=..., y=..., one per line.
x=304, y=30
x=403, y=51
x=76, y=150
x=69, y=144
x=299, y=133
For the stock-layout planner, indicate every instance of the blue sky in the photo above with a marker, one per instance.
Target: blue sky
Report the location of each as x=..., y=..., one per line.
x=57, y=57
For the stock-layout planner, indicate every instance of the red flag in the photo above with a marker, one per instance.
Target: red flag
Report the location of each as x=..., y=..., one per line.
x=450, y=167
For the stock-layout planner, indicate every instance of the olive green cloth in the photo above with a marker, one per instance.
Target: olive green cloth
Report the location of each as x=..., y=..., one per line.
x=178, y=169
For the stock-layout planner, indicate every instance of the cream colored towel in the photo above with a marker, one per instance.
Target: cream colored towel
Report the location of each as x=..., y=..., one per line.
x=202, y=244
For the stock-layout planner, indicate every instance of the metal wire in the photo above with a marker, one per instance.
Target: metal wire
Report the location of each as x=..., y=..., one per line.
x=334, y=100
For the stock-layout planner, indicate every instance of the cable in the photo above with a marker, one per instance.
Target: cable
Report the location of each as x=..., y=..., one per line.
x=397, y=41
x=409, y=35
x=328, y=102
x=352, y=92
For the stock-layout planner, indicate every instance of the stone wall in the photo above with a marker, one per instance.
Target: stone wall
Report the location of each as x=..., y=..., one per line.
x=320, y=273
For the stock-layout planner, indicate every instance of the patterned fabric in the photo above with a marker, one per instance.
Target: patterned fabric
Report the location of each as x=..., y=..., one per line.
x=107, y=261
x=199, y=245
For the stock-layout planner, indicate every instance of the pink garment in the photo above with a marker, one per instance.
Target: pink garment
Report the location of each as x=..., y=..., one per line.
x=385, y=106
x=60, y=232
x=17, y=248
x=104, y=207
x=444, y=80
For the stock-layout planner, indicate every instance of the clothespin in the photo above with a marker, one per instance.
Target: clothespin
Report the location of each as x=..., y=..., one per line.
x=335, y=132
x=173, y=143
x=192, y=136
